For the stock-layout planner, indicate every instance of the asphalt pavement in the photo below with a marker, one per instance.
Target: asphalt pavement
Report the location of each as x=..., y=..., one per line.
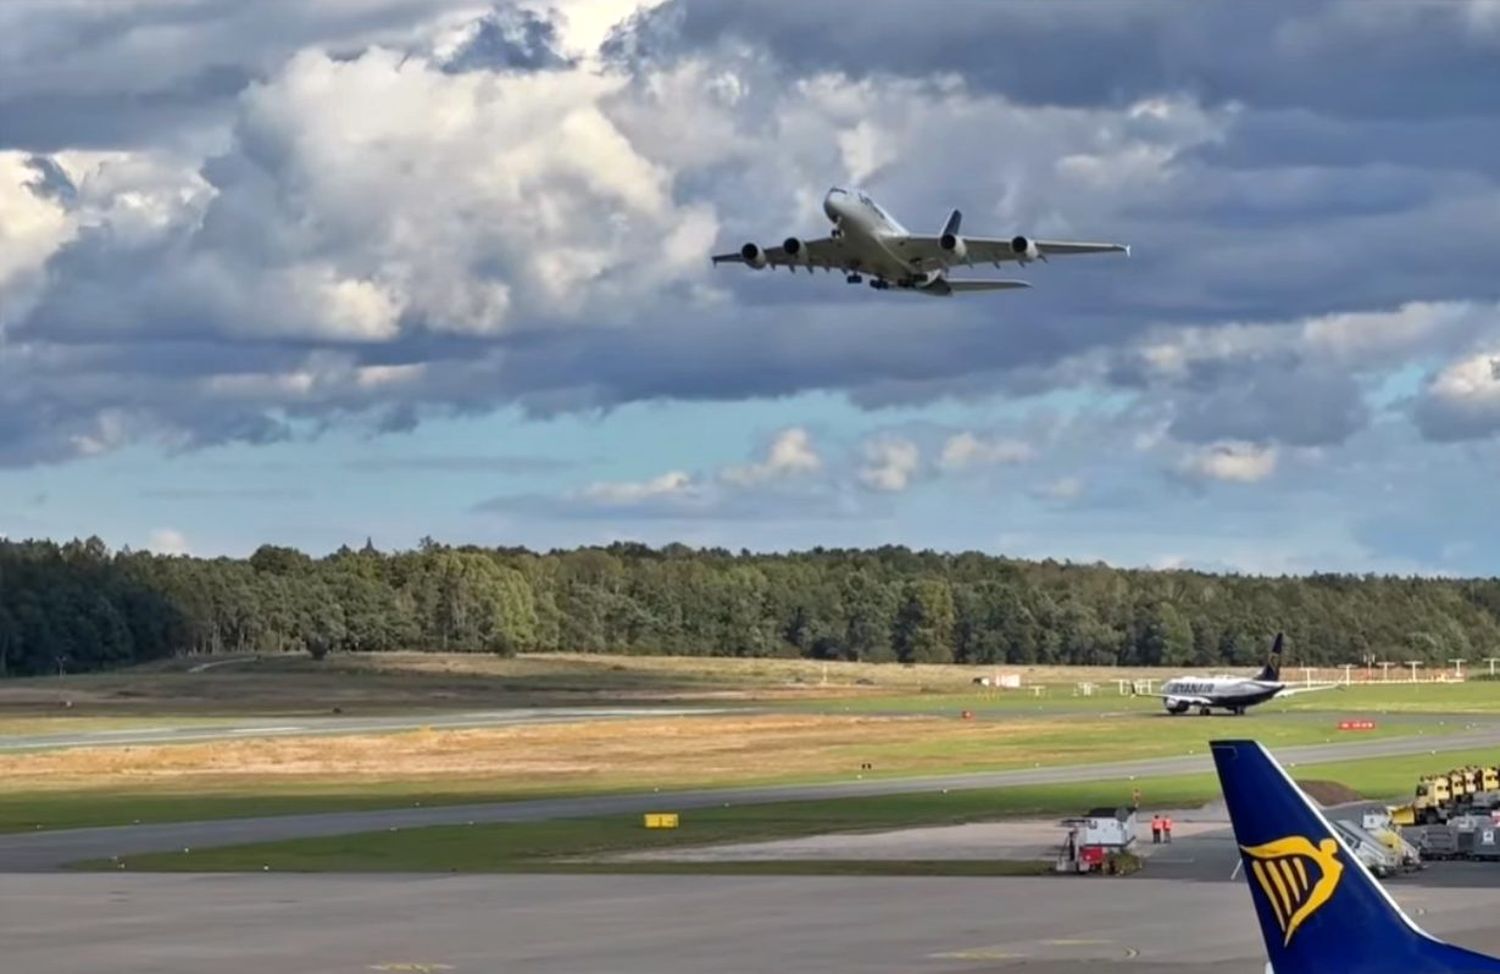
x=315, y=726
x=252, y=924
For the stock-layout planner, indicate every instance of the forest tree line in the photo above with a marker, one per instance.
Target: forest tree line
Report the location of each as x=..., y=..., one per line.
x=78, y=606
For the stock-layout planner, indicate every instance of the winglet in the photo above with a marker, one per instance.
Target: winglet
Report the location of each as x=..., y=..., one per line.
x=1320, y=910
x=954, y=220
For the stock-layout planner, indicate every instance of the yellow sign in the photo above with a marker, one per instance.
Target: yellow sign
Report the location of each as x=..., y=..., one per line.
x=661, y=820
x=1282, y=869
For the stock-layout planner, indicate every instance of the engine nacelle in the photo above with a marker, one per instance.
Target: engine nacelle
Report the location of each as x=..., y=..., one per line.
x=793, y=247
x=753, y=255
x=1024, y=249
x=954, y=246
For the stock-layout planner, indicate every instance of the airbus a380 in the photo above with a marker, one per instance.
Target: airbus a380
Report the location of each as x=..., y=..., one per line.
x=866, y=241
x=1231, y=693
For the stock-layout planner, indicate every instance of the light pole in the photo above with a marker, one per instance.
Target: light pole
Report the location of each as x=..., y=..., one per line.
x=1458, y=668
x=1413, y=663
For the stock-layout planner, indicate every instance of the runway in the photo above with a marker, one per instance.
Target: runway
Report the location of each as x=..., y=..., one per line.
x=42, y=851
x=175, y=924
x=316, y=726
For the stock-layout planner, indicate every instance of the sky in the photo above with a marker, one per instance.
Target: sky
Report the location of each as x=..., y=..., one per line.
x=309, y=274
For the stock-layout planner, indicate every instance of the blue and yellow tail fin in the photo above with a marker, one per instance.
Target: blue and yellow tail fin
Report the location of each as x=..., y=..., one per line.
x=1320, y=910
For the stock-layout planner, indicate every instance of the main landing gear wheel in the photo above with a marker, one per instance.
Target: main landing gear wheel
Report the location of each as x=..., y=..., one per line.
x=1239, y=711
x=1205, y=712
x=854, y=279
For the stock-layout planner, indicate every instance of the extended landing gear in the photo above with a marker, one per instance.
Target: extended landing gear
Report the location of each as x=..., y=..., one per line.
x=855, y=278
x=1205, y=711
x=879, y=283
x=1238, y=711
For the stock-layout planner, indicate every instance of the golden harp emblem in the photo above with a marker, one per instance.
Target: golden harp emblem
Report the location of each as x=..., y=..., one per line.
x=1296, y=877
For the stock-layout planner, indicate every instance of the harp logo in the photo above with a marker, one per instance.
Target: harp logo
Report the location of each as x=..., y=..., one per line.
x=1296, y=877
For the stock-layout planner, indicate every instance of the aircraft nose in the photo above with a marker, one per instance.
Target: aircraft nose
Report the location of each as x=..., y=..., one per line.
x=831, y=203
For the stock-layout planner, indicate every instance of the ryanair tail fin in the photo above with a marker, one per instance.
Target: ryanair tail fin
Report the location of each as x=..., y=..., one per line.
x=1272, y=669
x=1320, y=910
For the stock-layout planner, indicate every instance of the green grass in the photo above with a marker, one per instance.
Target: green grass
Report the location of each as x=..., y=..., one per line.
x=575, y=845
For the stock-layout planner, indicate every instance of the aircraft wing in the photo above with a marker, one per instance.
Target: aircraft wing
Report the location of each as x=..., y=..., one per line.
x=1293, y=691
x=927, y=252
x=1188, y=698
x=824, y=252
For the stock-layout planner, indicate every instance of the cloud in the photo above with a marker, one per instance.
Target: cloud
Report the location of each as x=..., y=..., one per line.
x=1231, y=462
x=791, y=453
x=966, y=450
x=1462, y=400
x=890, y=463
x=790, y=482
x=672, y=485
x=1340, y=57
x=168, y=541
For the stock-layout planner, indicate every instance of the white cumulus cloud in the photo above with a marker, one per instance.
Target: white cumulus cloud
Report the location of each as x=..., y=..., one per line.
x=890, y=463
x=1232, y=462
x=966, y=450
x=791, y=453
x=168, y=541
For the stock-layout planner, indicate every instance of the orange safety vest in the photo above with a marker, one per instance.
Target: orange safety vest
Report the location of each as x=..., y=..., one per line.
x=1166, y=824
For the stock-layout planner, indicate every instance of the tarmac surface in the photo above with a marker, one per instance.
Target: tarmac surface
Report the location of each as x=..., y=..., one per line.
x=315, y=726
x=184, y=924
x=42, y=851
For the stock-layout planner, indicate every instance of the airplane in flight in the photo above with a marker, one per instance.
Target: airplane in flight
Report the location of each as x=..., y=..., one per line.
x=1320, y=909
x=866, y=241
x=1232, y=693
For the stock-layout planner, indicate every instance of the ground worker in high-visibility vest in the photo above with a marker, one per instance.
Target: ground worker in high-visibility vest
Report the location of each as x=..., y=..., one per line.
x=1166, y=829
x=1156, y=830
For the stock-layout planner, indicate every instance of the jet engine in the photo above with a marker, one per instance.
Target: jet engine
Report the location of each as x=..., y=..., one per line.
x=753, y=255
x=1025, y=250
x=792, y=246
x=954, y=245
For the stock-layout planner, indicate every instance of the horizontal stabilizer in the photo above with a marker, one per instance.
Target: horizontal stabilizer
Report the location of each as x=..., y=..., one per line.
x=981, y=285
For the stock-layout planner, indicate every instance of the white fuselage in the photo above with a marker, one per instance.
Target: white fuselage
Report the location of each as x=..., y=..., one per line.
x=866, y=232
x=1233, y=692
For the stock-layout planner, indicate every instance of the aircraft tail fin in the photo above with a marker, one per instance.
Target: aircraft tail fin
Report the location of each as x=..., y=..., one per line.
x=1272, y=669
x=1319, y=908
x=954, y=219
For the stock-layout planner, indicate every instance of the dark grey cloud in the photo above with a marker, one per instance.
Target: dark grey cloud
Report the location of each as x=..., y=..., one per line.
x=51, y=182
x=510, y=38
x=1340, y=57
x=106, y=75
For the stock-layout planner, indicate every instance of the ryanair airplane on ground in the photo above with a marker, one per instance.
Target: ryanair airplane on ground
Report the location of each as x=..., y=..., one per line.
x=1320, y=910
x=1232, y=693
